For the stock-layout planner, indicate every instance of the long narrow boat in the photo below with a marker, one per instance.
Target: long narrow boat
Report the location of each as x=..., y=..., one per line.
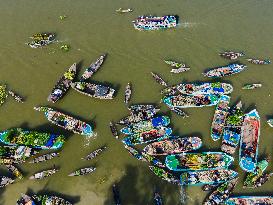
x=174, y=63
x=141, y=107
x=250, y=200
x=25, y=200
x=5, y=181
x=219, y=117
x=198, y=161
x=44, y=157
x=179, y=112
x=15, y=171
x=113, y=129
x=207, y=177
x=258, y=61
x=116, y=194
x=232, y=130
x=150, y=136
x=18, y=136
x=44, y=174
x=41, y=39
x=94, y=90
x=3, y=94
x=165, y=175
x=204, y=88
x=175, y=145
x=180, y=70
x=83, y=171
x=159, y=80
x=225, y=70
x=260, y=181
x=252, y=86
x=186, y=101
x=95, y=153
x=231, y=55
x=249, y=141
x=127, y=93
x=93, y=68
x=16, y=97
x=221, y=193
x=63, y=84
x=41, y=200
x=65, y=121
x=17, y=153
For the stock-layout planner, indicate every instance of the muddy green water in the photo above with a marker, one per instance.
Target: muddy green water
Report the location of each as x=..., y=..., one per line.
x=92, y=28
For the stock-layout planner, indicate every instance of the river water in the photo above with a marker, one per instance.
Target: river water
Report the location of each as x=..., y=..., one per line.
x=92, y=28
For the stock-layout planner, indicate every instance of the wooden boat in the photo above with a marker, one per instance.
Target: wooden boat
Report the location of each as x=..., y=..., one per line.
x=128, y=93
x=270, y=122
x=16, y=153
x=44, y=174
x=174, y=145
x=250, y=200
x=93, y=68
x=204, y=88
x=165, y=175
x=148, y=23
x=16, y=97
x=15, y=171
x=5, y=181
x=150, y=136
x=157, y=199
x=251, y=86
x=116, y=194
x=207, y=177
x=219, y=117
x=231, y=55
x=25, y=200
x=41, y=39
x=232, y=130
x=185, y=101
x=259, y=181
x=114, y=130
x=63, y=84
x=122, y=11
x=18, y=136
x=3, y=94
x=44, y=157
x=141, y=107
x=159, y=80
x=198, y=161
x=179, y=112
x=94, y=90
x=146, y=125
x=222, y=192
x=258, y=61
x=83, y=171
x=209, y=187
x=225, y=70
x=180, y=70
x=65, y=121
x=250, y=134
x=7, y=160
x=95, y=153
x=41, y=200
x=174, y=63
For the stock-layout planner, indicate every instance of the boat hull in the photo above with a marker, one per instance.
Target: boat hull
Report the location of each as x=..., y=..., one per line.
x=250, y=200
x=225, y=71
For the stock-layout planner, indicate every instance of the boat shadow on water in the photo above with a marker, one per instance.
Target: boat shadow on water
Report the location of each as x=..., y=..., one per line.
x=2, y=190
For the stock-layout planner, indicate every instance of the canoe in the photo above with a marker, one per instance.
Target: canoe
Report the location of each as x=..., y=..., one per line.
x=141, y=107
x=63, y=84
x=18, y=136
x=157, y=199
x=83, y=171
x=198, y=161
x=219, y=117
x=249, y=200
x=159, y=80
x=250, y=134
x=150, y=136
x=44, y=174
x=50, y=200
x=186, y=101
x=174, y=63
x=5, y=181
x=221, y=193
x=251, y=86
x=95, y=153
x=122, y=11
x=232, y=130
x=65, y=121
x=136, y=117
x=17, y=153
x=146, y=125
x=114, y=130
x=179, y=112
x=165, y=175
x=41, y=39
x=16, y=97
x=204, y=88
x=15, y=171
x=207, y=177
x=94, y=66
x=175, y=145
x=225, y=70
x=149, y=23
x=258, y=61
x=94, y=90
x=44, y=157
x=128, y=93
x=3, y=94
x=116, y=194
x=180, y=70
x=231, y=55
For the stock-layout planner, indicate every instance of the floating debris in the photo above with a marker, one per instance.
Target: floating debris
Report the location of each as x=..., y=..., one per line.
x=62, y=17
x=65, y=47
x=3, y=94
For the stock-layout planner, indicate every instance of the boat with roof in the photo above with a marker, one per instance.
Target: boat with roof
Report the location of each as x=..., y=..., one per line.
x=18, y=136
x=224, y=70
x=94, y=90
x=259, y=61
x=63, y=84
x=231, y=55
x=83, y=171
x=65, y=121
x=219, y=117
x=5, y=181
x=198, y=161
x=249, y=200
x=250, y=134
x=148, y=23
x=44, y=174
x=174, y=145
